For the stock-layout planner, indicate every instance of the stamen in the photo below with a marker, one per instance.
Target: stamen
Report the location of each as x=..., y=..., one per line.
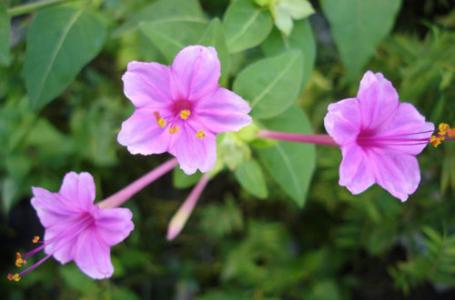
x=443, y=128
x=185, y=114
x=19, y=260
x=174, y=129
x=435, y=141
x=36, y=239
x=159, y=120
x=200, y=134
x=14, y=277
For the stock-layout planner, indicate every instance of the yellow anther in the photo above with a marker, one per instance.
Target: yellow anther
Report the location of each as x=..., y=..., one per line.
x=159, y=120
x=443, y=128
x=19, y=260
x=435, y=141
x=36, y=239
x=200, y=134
x=185, y=114
x=174, y=129
x=14, y=277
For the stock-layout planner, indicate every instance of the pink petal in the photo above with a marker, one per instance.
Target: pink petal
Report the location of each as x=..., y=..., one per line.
x=398, y=174
x=50, y=207
x=114, y=225
x=342, y=122
x=355, y=170
x=378, y=100
x=193, y=153
x=62, y=246
x=78, y=190
x=147, y=84
x=223, y=111
x=92, y=255
x=142, y=135
x=407, y=123
x=196, y=71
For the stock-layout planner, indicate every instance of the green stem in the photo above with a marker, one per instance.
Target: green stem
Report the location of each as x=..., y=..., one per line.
x=31, y=7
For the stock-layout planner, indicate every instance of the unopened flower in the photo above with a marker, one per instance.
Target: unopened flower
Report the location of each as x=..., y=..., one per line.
x=379, y=138
x=76, y=229
x=181, y=108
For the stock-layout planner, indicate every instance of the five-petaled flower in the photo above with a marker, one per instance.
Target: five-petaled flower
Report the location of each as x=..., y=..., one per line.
x=76, y=229
x=379, y=138
x=181, y=108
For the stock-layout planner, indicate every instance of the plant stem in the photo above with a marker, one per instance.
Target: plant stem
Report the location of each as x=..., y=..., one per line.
x=318, y=139
x=31, y=7
x=127, y=192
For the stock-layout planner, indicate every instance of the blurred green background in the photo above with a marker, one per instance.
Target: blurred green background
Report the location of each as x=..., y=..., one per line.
x=237, y=246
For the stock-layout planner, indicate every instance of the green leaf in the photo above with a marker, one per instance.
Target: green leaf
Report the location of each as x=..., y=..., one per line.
x=358, y=26
x=166, y=11
x=246, y=25
x=214, y=36
x=291, y=165
x=171, y=36
x=60, y=42
x=182, y=181
x=271, y=85
x=301, y=39
x=77, y=280
x=4, y=35
x=250, y=176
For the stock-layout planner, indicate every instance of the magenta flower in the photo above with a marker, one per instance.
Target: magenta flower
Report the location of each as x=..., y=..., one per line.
x=77, y=229
x=181, y=108
x=379, y=138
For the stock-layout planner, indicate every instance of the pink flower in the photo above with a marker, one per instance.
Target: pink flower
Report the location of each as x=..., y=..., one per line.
x=77, y=229
x=379, y=138
x=181, y=108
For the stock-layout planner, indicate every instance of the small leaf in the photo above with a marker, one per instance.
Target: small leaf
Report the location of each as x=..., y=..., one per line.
x=291, y=165
x=214, y=36
x=182, y=181
x=285, y=11
x=4, y=35
x=358, y=26
x=246, y=25
x=250, y=176
x=301, y=39
x=60, y=42
x=271, y=85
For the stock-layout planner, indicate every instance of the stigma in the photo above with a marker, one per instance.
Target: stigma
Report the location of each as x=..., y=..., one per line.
x=185, y=114
x=174, y=129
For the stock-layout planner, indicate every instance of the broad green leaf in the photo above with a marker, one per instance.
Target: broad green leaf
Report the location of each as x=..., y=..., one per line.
x=10, y=190
x=250, y=176
x=182, y=181
x=4, y=35
x=171, y=36
x=166, y=11
x=291, y=165
x=358, y=26
x=301, y=38
x=214, y=36
x=77, y=280
x=60, y=42
x=271, y=85
x=246, y=25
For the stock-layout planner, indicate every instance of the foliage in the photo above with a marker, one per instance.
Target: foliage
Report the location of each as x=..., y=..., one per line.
x=273, y=223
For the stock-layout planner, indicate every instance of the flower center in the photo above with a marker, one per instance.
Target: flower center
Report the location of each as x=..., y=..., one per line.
x=182, y=109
